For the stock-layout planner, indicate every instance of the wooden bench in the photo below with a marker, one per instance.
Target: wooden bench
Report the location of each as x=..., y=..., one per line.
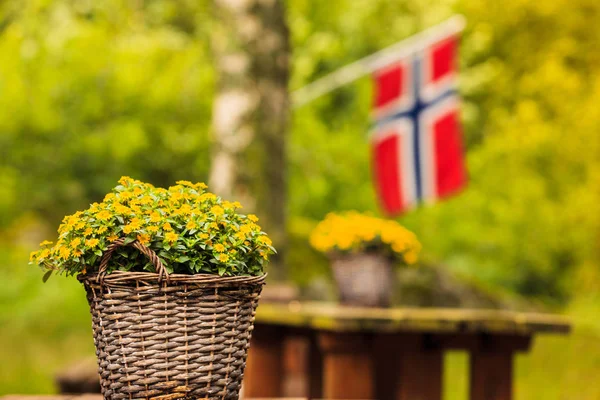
x=385, y=354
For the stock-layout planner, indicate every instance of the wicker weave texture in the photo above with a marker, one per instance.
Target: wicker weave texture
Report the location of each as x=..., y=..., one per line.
x=185, y=337
x=184, y=341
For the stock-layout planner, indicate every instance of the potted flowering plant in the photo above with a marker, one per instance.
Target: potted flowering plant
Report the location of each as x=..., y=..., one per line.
x=173, y=278
x=363, y=250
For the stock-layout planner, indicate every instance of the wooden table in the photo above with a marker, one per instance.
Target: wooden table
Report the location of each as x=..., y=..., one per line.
x=363, y=353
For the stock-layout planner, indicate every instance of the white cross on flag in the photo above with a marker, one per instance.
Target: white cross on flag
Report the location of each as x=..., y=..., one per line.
x=416, y=142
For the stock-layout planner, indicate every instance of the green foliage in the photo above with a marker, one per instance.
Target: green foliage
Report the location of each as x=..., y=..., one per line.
x=530, y=87
x=91, y=91
x=191, y=230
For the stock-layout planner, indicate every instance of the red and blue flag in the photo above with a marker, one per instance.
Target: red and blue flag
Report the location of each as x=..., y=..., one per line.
x=417, y=149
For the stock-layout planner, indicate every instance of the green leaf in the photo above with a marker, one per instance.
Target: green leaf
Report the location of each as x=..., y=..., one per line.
x=47, y=276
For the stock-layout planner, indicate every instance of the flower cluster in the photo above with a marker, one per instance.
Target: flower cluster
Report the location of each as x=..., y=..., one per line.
x=354, y=232
x=191, y=230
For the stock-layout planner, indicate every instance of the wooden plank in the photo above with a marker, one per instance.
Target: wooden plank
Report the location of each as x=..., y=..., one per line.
x=263, y=376
x=420, y=375
x=314, y=374
x=491, y=375
x=482, y=341
x=347, y=366
x=387, y=350
x=409, y=367
x=333, y=317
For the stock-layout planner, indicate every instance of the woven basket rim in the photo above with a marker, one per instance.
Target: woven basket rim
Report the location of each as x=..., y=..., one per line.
x=124, y=277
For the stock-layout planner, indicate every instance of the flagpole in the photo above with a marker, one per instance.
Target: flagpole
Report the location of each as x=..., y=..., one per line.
x=373, y=62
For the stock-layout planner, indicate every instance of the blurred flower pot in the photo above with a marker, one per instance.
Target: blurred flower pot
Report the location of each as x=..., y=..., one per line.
x=364, y=279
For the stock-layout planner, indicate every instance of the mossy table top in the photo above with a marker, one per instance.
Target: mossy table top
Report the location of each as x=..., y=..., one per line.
x=333, y=317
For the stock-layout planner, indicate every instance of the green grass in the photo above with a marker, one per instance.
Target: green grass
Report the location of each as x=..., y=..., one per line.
x=45, y=327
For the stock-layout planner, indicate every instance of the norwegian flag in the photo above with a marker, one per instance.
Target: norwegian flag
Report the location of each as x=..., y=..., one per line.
x=417, y=151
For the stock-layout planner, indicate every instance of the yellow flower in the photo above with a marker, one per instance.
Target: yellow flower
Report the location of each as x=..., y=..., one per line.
x=109, y=197
x=79, y=225
x=191, y=225
x=63, y=252
x=167, y=227
x=146, y=200
x=265, y=240
x=77, y=253
x=352, y=231
x=45, y=243
x=240, y=236
x=103, y=215
x=410, y=257
x=398, y=246
x=135, y=223
x=252, y=217
x=75, y=243
x=125, y=181
x=204, y=236
x=175, y=197
x=33, y=255
x=143, y=238
x=152, y=229
x=219, y=248
x=92, y=242
x=245, y=229
x=207, y=196
x=112, y=238
x=121, y=209
x=223, y=257
x=213, y=225
x=101, y=230
x=171, y=237
x=217, y=210
x=88, y=231
x=185, y=183
x=155, y=217
x=125, y=195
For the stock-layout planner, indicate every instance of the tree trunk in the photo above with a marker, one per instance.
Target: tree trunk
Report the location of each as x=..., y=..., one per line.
x=250, y=112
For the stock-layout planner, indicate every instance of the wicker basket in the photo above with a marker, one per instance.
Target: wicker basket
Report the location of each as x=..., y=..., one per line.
x=364, y=279
x=161, y=336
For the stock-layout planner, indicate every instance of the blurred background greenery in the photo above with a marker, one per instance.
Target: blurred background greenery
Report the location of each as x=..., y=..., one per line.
x=90, y=91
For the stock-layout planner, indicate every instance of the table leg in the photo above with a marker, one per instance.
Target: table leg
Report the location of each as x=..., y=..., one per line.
x=492, y=365
x=347, y=366
x=315, y=370
x=491, y=375
x=263, y=376
x=420, y=374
